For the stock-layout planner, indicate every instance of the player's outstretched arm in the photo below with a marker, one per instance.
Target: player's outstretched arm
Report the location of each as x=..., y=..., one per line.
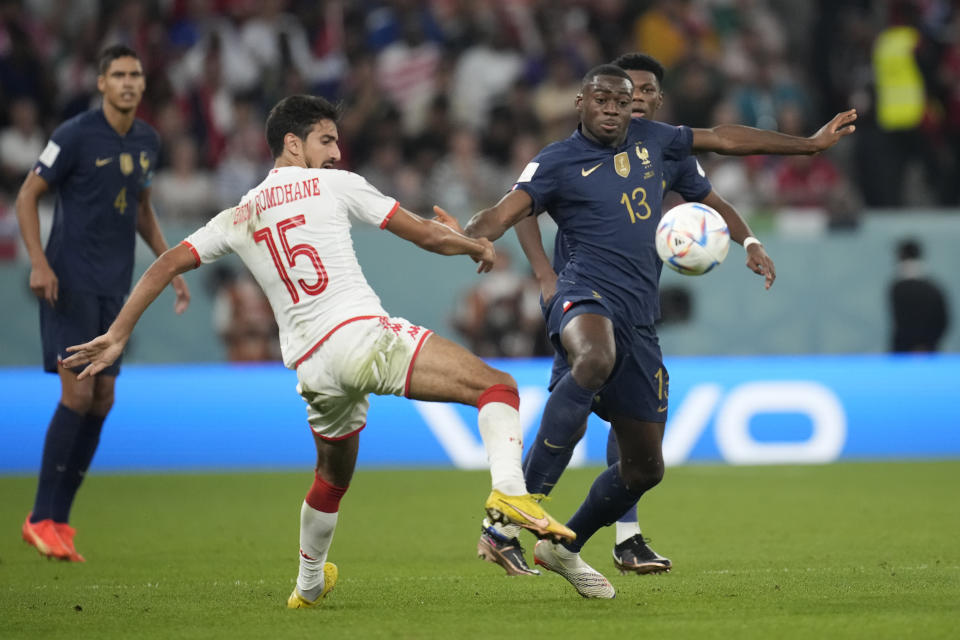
x=491, y=223
x=437, y=237
x=43, y=280
x=757, y=259
x=149, y=230
x=738, y=140
x=528, y=233
x=103, y=351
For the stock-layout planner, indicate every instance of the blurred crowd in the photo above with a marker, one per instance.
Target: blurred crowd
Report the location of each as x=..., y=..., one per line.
x=445, y=101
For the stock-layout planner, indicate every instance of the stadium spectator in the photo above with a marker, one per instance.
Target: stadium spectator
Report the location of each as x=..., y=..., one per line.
x=918, y=305
x=184, y=190
x=406, y=71
x=500, y=316
x=20, y=143
x=242, y=317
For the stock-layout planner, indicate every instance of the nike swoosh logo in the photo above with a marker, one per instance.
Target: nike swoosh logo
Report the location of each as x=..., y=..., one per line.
x=543, y=523
x=661, y=409
x=586, y=172
x=305, y=555
x=103, y=161
x=551, y=445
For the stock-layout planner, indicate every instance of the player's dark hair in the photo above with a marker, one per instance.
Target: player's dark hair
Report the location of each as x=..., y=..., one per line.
x=297, y=115
x=641, y=62
x=604, y=70
x=113, y=52
x=909, y=249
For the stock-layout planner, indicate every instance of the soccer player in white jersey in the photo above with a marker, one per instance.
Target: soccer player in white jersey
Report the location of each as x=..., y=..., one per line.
x=293, y=233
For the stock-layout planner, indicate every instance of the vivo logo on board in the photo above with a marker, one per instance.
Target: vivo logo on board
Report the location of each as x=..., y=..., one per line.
x=730, y=412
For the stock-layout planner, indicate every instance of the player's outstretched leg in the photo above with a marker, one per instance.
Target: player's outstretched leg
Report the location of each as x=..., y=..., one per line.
x=588, y=582
x=446, y=372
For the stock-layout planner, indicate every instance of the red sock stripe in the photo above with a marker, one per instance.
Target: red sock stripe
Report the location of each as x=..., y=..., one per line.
x=324, y=496
x=500, y=393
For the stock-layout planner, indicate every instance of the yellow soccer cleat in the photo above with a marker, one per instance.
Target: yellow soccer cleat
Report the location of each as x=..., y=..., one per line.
x=526, y=512
x=330, y=574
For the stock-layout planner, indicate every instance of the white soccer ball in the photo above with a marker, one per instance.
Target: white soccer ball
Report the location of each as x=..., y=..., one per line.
x=692, y=238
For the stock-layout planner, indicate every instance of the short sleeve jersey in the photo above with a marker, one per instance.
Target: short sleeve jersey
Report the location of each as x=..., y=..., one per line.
x=606, y=202
x=685, y=177
x=292, y=232
x=99, y=176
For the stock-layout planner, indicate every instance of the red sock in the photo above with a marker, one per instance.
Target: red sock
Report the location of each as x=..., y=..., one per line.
x=500, y=393
x=324, y=496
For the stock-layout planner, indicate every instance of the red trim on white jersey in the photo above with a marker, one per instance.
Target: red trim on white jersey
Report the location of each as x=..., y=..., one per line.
x=196, y=256
x=329, y=333
x=362, y=427
x=406, y=385
x=386, y=221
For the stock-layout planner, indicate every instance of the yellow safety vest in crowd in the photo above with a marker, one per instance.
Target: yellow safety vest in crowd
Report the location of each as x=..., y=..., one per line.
x=900, y=92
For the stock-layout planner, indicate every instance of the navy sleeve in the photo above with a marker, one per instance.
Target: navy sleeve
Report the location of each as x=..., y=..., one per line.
x=58, y=157
x=677, y=142
x=539, y=180
x=691, y=182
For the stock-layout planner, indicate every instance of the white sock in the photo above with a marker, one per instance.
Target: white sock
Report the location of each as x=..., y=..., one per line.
x=626, y=530
x=502, y=438
x=316, y=534
x=506, y=530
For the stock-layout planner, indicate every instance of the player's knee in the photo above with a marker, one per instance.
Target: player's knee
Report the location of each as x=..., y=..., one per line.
x=495, y=378
x=592, y=367
x=639, y=479
x=79, y=399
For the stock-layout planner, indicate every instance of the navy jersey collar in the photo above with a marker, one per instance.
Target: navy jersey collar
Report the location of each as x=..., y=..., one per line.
x=590, y=144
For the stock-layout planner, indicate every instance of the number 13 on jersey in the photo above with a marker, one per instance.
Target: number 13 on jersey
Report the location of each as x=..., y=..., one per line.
x=291, y=252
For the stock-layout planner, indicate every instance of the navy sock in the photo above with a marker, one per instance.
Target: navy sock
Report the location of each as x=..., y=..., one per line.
x=607, y=500
x=57, y=447
x=613, y=457
x=565, y=412
x=84, y=446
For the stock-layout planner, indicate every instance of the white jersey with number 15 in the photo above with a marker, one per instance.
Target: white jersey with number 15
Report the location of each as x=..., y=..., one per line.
x=293, y=233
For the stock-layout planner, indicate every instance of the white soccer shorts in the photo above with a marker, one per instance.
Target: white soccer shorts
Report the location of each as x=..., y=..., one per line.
x=370, y=355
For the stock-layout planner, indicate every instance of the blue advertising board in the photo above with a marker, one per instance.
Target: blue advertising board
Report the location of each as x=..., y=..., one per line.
x=737, y=410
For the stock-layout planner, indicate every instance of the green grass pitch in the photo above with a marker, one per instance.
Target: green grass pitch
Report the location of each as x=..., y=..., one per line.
x=858, y=550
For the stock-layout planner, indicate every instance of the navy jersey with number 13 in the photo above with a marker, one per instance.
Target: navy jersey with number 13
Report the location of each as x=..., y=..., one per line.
x=606, y=202
x=99, y=175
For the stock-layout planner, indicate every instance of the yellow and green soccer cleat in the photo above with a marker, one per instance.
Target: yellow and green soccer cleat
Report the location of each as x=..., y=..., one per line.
x=330, y=574
x=526, y=512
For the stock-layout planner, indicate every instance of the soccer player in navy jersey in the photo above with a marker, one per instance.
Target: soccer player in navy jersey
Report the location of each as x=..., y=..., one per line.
x=101, y=163
x=603, y=186
x=687, y=178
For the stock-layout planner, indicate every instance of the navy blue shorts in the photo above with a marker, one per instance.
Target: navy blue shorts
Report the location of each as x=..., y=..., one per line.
x=639, y=385
x=78, y=317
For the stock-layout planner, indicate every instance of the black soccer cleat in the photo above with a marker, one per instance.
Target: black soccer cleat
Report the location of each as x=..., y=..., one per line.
x=634, y=555
x=505, y=552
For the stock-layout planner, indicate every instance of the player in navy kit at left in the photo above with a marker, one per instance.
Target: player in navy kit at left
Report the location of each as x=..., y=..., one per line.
x=602, y=186
x=101, y=163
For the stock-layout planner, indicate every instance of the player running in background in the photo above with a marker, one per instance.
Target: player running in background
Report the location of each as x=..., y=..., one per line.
x=602, y=186
x=293, y=233
x=101, y=163
x=685, y=177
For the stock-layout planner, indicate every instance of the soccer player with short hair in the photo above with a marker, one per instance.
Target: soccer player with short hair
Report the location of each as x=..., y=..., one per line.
x=101, y=162
x=687, y=178
x=602, y=186
x=293, y=233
